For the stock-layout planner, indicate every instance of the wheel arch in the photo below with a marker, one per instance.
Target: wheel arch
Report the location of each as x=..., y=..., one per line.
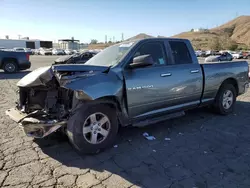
x=6, y=59
x=232, y=81
x=118, y=105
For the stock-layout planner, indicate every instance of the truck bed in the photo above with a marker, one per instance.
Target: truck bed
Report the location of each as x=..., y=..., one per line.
x=216, y=73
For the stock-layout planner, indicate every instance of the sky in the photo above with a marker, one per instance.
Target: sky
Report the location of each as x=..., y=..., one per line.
x=93, y=19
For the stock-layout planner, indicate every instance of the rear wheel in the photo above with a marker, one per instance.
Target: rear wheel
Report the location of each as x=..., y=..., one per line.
x=225, y=99
x=10, y=66
x=93, y=128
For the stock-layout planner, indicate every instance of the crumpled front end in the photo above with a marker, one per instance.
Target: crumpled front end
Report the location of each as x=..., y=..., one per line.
x=35, y=124
x=44, y=103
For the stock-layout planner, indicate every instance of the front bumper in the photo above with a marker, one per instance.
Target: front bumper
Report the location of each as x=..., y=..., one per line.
x=33, y=124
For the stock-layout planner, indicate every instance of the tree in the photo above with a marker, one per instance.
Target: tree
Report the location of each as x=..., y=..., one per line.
x=93, y=41
x=214, y=44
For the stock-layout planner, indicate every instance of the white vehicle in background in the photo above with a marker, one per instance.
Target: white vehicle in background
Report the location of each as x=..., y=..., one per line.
x=58, y=52
x=237, y=55
x=45, y=51
x=18, y=49
x=68, y=52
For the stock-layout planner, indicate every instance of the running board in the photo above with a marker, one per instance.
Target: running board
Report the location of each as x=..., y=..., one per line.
x=146, y=122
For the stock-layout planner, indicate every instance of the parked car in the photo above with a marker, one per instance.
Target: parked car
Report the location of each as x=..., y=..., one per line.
x=223, y=57
x=246, y=55
x=200, y=53
x=58, y=52
x=11, y=61
x=45, y=51
x=2, y=48
x=75, y=58
x=131, y=83
x=68, y=52
x=237, y=55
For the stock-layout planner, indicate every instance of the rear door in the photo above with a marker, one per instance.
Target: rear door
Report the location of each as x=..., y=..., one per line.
x=184, y=86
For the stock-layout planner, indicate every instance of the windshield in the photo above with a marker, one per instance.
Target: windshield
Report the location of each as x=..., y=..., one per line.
x=111, y=55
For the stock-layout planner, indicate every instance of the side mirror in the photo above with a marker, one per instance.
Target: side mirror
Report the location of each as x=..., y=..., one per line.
x=142, y=61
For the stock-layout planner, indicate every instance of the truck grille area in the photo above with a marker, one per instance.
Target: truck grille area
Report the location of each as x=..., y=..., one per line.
x=53, y=101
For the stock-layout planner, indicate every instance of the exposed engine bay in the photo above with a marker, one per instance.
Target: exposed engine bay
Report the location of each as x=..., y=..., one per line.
x=51, y=99
x=48, y=95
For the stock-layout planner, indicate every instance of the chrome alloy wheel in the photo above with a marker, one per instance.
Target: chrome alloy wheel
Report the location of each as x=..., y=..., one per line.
x=96, y=128
x=227, y=99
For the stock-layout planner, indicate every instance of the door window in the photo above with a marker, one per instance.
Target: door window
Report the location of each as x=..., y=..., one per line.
x=180, y=52
x=155, y=49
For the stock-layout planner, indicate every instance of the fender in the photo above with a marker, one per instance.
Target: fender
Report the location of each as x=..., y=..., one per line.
x=96, y=86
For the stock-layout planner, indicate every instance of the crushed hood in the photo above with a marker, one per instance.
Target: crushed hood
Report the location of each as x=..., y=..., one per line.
x=37, y=77
x=41, y=76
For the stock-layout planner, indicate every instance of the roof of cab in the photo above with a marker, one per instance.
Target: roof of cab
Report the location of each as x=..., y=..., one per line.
x=156, y=38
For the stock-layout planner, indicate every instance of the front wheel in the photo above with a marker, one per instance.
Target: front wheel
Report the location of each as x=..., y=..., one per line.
x=225, y=99
x=92, y=128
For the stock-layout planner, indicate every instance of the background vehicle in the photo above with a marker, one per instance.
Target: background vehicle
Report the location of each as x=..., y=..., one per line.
x=225, y=56
x=68, y=52
x=131, y=83
x=58, y=52
x=80, y=58
x=45, y=51
x=12, y=62
x=246, y=55
x=237, y=55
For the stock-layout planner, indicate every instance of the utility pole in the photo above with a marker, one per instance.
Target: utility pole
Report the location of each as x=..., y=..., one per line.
x=122, y=37
x=106, y=38
x=113, y=39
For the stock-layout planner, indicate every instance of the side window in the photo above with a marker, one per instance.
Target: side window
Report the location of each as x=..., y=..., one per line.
x=85, y=56
x=180, y=52
x=155, y=49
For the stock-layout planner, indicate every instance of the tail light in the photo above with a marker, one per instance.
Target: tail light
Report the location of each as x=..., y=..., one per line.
x=28, y=56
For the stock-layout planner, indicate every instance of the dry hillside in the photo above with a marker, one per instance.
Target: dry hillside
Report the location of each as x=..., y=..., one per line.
x=140, y=36
x=237, y=30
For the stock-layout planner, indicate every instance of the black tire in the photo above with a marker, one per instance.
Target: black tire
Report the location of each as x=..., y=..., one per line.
x=218, y=106
x=10, y=66
x=75, y=128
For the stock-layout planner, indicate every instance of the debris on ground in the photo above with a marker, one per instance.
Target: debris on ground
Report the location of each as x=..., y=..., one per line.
x=167, y=139
x=180, y=133
x=115, y=146
x=205, y=152
x=154, y=150
x=146, y=135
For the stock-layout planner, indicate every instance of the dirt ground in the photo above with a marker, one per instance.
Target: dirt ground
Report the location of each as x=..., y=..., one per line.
x=205, y=150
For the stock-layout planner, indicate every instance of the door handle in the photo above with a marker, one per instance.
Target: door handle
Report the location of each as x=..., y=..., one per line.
x=194, y=71
x=166, y=74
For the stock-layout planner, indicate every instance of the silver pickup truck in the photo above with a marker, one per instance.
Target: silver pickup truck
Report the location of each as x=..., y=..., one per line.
x=132, y=83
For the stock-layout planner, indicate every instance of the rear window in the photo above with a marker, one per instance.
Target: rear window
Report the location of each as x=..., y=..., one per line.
x=180, y=52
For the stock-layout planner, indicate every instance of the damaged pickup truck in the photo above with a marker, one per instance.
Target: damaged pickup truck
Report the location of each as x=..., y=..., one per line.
x=132, y=83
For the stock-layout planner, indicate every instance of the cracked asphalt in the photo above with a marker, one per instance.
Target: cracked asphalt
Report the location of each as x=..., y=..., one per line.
x=205, y=150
